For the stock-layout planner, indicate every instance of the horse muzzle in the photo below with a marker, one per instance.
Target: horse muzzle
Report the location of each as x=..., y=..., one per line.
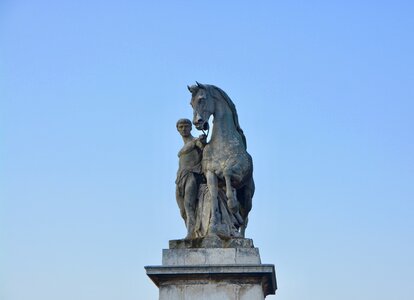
x=200, y=125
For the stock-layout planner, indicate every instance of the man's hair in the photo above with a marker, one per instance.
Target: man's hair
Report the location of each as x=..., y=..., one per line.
x=183, y=121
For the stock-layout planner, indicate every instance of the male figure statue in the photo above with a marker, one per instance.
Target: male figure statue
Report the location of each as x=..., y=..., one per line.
x=189, y=174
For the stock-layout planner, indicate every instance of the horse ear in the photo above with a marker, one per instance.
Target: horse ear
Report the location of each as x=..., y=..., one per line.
x=189, y=88
x=201, y=86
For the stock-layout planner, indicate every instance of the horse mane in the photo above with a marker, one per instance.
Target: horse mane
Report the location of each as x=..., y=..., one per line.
x=233, y=110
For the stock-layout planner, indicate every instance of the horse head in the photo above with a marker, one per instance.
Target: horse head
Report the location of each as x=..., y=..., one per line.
x=203, y=105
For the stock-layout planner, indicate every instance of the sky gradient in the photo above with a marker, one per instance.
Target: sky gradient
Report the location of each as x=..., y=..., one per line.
x=89, y=96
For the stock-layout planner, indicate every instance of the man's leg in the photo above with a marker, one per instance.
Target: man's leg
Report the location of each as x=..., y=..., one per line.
x=190, y=197
x=180, y=202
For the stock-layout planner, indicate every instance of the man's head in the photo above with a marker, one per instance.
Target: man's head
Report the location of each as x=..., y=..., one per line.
x=184, y=127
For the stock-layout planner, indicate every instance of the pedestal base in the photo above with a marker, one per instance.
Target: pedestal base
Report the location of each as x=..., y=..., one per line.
x=213, y=273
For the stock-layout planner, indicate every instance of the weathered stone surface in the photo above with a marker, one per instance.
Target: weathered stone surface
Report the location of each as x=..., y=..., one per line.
x=211, y=242
x=220, y=256
x=212, y=292
x=213, y=273
x=230, y=282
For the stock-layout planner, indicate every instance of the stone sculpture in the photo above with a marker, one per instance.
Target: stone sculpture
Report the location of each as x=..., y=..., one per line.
x=189, y=175
x=214, y=193
x=226, y=187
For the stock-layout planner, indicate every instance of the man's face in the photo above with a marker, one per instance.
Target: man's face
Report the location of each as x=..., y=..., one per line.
x=184, y=129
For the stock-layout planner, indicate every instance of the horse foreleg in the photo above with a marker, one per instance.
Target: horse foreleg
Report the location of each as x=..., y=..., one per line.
x=231, y=195
x=212, y=184
x=245, y=196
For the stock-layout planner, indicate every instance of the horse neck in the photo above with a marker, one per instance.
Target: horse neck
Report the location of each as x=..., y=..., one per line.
x=224, y=127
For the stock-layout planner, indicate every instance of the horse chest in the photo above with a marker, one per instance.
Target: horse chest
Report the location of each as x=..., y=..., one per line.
x=221, y=158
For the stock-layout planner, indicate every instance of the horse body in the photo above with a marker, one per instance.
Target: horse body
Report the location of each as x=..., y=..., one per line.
x=225, y=161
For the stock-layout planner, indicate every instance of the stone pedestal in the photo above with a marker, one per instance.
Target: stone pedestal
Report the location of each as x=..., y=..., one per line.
x=222, y=269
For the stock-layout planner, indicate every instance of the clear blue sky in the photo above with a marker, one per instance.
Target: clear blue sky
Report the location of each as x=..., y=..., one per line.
x=89, y=95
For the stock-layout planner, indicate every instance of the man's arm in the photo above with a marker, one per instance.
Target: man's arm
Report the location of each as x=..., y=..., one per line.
x=201, y=141
x=188, y=147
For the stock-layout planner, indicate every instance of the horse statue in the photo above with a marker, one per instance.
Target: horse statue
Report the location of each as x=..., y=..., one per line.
x=225, y=162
